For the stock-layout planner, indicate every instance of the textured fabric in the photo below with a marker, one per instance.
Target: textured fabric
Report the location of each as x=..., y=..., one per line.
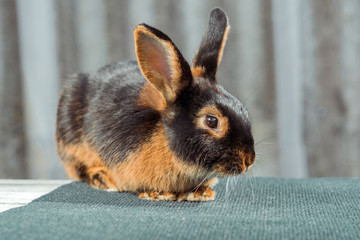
x=245, y=208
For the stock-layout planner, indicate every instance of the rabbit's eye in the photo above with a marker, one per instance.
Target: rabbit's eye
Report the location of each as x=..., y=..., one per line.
x=211, y=122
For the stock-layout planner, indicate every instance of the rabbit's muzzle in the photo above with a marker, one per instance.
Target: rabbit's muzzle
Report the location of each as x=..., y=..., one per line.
x=234, y=163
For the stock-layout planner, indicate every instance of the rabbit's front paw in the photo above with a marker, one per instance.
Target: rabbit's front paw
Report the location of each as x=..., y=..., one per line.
x=157, y=196
x=202, y=194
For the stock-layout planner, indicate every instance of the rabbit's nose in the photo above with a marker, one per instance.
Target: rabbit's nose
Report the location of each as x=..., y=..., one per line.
x=247, y=156
x=250, y=159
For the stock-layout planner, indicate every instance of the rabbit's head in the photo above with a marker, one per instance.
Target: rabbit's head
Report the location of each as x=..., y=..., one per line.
x=204, y=124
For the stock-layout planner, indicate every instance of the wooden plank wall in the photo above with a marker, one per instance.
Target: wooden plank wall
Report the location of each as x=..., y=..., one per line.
x=12, y=137
x=294, y=63
x=332, y=86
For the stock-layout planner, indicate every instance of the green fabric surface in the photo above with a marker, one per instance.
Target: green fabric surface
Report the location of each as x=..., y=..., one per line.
x=245, y=208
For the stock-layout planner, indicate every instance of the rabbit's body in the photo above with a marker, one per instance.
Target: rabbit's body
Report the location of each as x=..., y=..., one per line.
x=102, y=105
x=156, y=126
x=103, y=121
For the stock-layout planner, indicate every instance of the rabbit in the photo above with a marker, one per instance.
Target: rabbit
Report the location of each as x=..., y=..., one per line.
x=156, y=126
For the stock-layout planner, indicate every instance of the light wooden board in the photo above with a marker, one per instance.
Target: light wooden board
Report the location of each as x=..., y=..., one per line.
x=17, y=193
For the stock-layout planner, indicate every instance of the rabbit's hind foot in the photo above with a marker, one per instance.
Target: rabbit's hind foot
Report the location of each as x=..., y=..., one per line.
x=97, y=177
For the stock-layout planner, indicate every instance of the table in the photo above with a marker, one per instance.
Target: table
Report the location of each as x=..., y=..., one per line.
x=17, y=193
x=244, y=208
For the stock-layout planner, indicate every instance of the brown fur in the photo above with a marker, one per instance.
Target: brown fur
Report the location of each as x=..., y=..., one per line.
x=203, y=193
x=156, y=196
x=211, y=182
x=198, y=71
x=134, y=149
x=243, y=157
x=154, y=167
x=223, y=43
x=249, y=157
x=82, y=162
x=221, y=168
x=148, y=48
x=150, y=97
x=223, y=122
x=246, y=160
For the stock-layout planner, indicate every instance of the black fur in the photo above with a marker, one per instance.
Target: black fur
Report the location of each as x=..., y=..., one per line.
x=82, y=172
x=72, y=109
x=101, y=108
x=194, y=144
x=208, y=53
x=185, y=68
x=112, y=122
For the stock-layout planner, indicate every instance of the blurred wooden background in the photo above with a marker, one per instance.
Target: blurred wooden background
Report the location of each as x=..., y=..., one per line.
x=296, y=64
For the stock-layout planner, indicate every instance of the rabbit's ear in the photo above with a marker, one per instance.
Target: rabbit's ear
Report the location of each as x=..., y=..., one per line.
x=208, y=56
x=161, y=62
